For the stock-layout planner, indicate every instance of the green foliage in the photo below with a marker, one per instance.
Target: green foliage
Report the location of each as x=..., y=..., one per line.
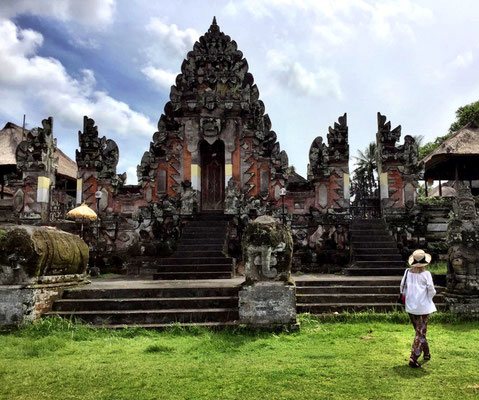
x=435, y=201
x=438, y=268
x=464, y=115
x=344, y=356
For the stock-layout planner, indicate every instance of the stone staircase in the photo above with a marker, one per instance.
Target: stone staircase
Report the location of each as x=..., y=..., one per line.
x=212, y=306
x=199, y=253
x=6, y=210
x=353, y=294
x=374, y=250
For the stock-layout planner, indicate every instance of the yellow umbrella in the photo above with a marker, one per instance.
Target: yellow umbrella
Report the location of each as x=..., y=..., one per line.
x=82, y=211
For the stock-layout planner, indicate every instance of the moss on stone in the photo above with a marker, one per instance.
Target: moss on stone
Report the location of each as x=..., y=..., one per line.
x=42, y=251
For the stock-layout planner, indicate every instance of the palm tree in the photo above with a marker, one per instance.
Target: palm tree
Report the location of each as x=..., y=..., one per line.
x=364, y=183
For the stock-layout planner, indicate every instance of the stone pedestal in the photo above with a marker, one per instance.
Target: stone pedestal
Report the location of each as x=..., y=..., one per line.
x=20, y=304
x=268, y=305
x=462, y=304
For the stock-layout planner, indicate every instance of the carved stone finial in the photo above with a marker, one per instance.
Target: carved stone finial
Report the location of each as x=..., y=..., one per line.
x=100, y=154
x=37, y=151
x=338, y=145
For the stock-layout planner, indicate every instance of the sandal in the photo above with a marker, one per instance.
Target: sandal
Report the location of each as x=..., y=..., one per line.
x=427, y=357
x=413, y=363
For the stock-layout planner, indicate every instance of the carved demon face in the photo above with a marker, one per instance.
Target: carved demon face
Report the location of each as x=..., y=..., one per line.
x=467, y=209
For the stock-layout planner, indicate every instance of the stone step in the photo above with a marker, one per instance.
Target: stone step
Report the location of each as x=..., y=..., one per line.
x=207, y=224
x=195, y=268
x=208, y=325
x=112, y=317
x=348, y=289
x=350, y=298
x=367, y=282
x=194, y=260
x=168, y=292
x=201, y=241
x=218, y=247
x=145, y=303
x=374, y=271
x=193, y=230
x=197, y=253
x=378, y=257
x=211, y=216
x=178, y=275
x=327, y=308
x=380, y=263
x=369, y=230
x=372, y=238
x=205, y=235
x=389, y=244
x=375, y=251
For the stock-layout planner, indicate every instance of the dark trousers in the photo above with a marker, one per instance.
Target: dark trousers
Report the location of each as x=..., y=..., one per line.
x=420, y=342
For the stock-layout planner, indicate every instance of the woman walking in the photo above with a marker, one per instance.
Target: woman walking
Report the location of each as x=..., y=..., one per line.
x=418, y=288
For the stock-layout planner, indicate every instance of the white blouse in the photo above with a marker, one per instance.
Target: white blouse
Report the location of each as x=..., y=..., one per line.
x=419, y=291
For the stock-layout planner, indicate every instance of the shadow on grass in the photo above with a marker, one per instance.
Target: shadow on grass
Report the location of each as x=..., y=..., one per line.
x=405, y=371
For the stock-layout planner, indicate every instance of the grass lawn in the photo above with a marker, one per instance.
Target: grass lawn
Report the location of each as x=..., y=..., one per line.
x=360, y=356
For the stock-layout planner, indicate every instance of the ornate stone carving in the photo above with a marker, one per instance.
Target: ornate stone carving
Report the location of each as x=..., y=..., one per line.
x=318, y=159
x=233, y=198
x=338, y=145
x=37, y=152
x=188, y=199
x=387, y=139
x=267, y=250
x=463, y=241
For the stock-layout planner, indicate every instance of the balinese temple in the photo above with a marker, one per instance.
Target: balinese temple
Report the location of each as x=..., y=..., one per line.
x=214, y=128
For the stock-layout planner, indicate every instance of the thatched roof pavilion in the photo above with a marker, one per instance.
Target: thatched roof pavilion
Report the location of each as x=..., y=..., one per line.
x=457, y=158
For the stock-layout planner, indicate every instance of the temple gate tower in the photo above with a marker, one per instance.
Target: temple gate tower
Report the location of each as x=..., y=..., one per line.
x=214, y=129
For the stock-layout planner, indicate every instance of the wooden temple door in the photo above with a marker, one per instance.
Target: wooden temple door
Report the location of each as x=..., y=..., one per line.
x=212, y=176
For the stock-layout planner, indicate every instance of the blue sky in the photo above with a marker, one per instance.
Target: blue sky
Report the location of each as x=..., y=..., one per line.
x=313, y=60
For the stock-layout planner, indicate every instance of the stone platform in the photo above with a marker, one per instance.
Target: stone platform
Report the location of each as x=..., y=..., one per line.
x=119, y=302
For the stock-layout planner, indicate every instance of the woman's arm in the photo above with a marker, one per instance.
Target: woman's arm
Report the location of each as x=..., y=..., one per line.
x=431, y=291
x=403, y=285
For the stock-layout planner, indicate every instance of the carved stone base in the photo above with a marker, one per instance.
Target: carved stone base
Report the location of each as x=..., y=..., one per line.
x=268, y=305
x=462, y=304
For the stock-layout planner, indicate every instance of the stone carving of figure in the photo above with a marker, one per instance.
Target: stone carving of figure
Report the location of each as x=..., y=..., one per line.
x=463, y=240
x=267, y=250
x=188, y=199
x=232, y=200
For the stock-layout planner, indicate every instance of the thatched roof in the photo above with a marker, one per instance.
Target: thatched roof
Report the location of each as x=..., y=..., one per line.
x=66, y=166
x=461, y=149
x=11, y=136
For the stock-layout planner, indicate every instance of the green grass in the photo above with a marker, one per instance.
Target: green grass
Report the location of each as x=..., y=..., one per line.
x=437, y=268
x=347, y=356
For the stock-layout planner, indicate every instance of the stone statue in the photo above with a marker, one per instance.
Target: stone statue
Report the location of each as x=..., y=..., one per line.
x=463, y=241
x=267, y=250
x=268, y=296
x=188, y=199
x=232, y=200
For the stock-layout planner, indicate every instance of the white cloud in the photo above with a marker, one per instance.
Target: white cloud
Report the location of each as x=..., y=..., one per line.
x=335, y=20
x=89, y=12
x=319, y=83
x=170, y=38
x=163, y=79
x=28, y=81
x=463, y=60
x=132, y=178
